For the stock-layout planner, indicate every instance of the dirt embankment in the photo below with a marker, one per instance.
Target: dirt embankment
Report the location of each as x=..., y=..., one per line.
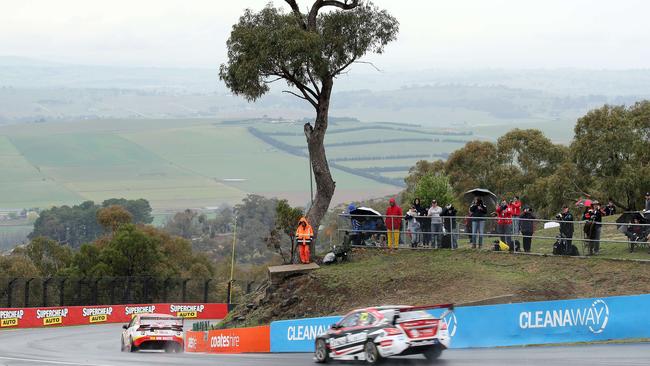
x=426, y=277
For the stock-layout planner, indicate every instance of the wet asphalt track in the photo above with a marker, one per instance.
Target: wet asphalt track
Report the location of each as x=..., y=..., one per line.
x=99, y=346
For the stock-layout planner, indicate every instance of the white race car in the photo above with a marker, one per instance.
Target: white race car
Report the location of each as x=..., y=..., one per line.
x=372, y=334
x=153, y=332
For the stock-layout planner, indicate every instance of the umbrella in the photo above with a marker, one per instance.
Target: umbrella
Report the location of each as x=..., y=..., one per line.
x=364, y=212
x=627, y=217
x=552, y=224
x=483, y=193
x=583, y=202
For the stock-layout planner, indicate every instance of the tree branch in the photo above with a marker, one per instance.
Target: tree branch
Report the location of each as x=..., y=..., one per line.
x=345, y=66
x=274, y=80
x=319, y=4
x=296, y=11
x=368, y=63
x=345, y=4
x=302, y=87
x=301, y=97
x=313, y=81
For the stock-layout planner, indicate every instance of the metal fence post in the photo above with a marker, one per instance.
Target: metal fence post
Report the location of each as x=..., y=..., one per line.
x=27, y=282
x=113, y=284
x=127, y=293
x=185, y=288
x=206, y=287
x=95, y=291
x=62, y=290
x=46, y=283
x=145, y=289
x=165, y=285
x=10, y=286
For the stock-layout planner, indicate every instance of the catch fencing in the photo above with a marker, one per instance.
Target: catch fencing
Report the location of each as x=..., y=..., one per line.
x=69, y=291
x=372, y=231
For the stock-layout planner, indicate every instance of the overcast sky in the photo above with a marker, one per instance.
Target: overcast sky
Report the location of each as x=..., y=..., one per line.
x=434, y=33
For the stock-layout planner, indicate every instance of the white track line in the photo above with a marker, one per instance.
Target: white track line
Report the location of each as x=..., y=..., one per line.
x=48, y=362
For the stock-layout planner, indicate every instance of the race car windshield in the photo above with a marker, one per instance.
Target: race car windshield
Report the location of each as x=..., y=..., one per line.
x=155, y=322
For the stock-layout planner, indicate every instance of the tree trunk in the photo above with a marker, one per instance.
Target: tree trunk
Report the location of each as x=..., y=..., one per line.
x=325, y=185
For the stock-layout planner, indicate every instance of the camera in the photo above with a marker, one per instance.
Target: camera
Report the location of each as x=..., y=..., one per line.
x=558, y=216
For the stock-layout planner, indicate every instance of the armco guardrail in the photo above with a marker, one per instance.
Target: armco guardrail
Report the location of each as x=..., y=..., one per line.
x=85, y=315
x=564, y=321
x=236, y=340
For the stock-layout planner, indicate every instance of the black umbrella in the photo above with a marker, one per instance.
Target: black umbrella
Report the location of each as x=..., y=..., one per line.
x=364, y=212
x=483, y=193
x=627, y=217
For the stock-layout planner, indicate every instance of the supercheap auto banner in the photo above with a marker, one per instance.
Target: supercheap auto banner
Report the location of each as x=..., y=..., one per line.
x=580, y=320
x=84, y=315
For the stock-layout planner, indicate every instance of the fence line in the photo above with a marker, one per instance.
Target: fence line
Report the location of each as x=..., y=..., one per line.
x=62, y=291
x=454, y=224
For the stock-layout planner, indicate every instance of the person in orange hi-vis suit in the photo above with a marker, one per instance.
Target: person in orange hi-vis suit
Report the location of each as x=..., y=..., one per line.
x=304, y=235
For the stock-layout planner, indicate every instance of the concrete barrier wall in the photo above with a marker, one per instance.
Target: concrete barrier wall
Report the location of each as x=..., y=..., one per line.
x=581, y=320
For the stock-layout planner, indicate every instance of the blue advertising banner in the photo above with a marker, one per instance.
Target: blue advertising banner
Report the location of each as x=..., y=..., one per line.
x=298, y=335
x=581, y=320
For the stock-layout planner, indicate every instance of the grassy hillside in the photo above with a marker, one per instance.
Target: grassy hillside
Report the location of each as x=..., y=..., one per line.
x=427, y=277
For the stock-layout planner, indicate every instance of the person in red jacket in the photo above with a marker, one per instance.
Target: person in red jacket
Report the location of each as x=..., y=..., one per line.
x=504, y=223
x=304, y=236
x=515, y=206
x=393, y=222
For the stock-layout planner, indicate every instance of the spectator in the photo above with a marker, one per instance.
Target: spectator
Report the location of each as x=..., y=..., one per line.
x=504, y=223
x=566, y=224
x=436, y=224
x=593, y=218
x=356, y=236
x=515, y=206
x=527, y=227
x=478, y=212
x=304, y=236
x=393, y=223
x=413, y=226
x=449, y=214
x=634, y=230
x=610, y=209
x=647, y=204
x=424, y=220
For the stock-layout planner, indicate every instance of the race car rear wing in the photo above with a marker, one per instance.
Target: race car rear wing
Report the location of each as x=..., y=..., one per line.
x=449, y=307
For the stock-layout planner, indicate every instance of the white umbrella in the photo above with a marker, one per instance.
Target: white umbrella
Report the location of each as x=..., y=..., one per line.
x=552, y=224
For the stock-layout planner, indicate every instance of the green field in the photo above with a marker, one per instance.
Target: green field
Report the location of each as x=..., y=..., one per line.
x=194, y=163
x=175, y=164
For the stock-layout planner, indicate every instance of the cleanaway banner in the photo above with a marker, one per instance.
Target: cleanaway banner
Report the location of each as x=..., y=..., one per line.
x=581, y=320
x=86, y=315
x=298, y=335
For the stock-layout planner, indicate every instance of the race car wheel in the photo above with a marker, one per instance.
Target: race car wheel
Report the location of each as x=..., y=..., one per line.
x=132, y=347
x=433, y=353
x=321, y=355
x=372, y=353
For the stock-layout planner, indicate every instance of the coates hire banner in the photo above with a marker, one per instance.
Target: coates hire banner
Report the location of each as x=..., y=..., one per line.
x=236, y=340
x=581, y=320
x=82, y=315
